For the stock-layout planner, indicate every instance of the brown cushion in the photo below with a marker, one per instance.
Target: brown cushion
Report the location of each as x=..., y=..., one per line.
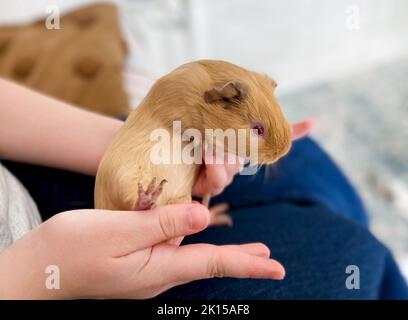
x=80, y=63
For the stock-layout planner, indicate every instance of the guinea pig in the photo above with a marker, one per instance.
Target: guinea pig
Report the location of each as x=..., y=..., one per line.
x=205, y=94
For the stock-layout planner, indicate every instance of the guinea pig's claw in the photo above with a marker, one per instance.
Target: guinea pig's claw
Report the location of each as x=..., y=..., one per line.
x=147, y=199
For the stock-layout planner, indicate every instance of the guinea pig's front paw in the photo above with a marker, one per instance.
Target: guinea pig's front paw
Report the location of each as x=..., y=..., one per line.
x=147, y=199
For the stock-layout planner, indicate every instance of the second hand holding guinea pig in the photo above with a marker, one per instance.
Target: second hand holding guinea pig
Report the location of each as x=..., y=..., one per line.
x=201, y=95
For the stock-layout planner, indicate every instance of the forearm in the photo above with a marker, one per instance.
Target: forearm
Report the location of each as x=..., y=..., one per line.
x=41, y=130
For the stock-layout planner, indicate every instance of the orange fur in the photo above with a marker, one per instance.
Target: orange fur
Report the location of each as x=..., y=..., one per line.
x=179, y=96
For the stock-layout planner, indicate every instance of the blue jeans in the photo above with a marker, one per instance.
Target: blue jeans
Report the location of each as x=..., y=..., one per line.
x=303, y=208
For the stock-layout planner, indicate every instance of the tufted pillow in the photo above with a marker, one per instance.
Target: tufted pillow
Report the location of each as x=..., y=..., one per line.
x=81, y=63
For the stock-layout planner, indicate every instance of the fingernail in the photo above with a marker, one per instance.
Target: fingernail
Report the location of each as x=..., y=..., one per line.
x=279, y=275
x=198, y=217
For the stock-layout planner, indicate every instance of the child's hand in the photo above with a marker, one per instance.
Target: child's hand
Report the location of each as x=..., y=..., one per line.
x=214, y=178
x=112, y=254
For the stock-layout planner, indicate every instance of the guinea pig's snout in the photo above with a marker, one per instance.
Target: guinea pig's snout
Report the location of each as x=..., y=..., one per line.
x=282, y=141
x=274, y=139
x=287, y=139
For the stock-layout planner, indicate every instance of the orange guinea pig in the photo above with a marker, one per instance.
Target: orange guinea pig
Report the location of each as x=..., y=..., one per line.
x=204, y=94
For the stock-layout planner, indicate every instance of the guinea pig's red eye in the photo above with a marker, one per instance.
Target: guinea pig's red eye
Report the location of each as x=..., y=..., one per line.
x=259, y=129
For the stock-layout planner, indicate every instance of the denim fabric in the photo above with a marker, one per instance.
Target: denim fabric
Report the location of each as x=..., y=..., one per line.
x=314, y=244
x=303, y=208
x=54, y=190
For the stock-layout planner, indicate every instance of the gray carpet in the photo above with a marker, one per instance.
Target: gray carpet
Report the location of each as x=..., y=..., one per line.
x=364, y=126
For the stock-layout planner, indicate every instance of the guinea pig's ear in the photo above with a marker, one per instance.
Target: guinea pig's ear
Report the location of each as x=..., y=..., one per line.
x=231, y=90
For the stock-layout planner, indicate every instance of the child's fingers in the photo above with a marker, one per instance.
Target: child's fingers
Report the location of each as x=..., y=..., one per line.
x=201, y=261
x=302, y=128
